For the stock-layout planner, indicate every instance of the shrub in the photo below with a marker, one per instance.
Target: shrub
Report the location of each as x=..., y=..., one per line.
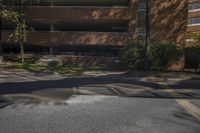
x=164, y=54
x=192, y=57
x=192, y=35
x=133, y=56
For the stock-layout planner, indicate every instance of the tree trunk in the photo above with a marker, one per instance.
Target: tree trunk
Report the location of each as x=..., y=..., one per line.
x=22, y=52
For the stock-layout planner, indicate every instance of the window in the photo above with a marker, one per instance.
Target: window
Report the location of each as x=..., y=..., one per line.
x=142, y=8
x=142, y=32
x=194, y=21
x=194, y=6
x=141, y=19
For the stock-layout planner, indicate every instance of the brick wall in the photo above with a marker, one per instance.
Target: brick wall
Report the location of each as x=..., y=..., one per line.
x=168, y=20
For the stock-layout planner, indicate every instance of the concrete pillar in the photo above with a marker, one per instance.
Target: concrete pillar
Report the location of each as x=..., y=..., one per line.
x=51, y=27
x=0, y=39
x=50, y=50
x=52, y=3
x=133, y=21
x=0, y=49
x=1, y=54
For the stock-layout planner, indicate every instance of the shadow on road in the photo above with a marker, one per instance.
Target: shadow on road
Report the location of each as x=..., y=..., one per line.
x=126, y=84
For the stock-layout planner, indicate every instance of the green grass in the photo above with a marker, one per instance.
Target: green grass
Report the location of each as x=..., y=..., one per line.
x=15, y=59
x=58, y=69
x=13, y=62
x=32, y=67
x=65, y=69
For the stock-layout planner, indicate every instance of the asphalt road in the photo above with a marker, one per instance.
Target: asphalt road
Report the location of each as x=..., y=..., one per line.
x=99, y=103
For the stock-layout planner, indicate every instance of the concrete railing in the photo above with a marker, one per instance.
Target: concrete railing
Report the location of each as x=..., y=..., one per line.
x=51, y=39
x=77, y=13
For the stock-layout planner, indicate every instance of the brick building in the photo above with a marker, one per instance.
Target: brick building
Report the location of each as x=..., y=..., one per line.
x=194, y=16
x=193, y=22
x=99, y=27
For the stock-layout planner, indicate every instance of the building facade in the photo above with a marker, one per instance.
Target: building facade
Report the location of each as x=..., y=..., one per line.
x=193, y=29
x=99, y=27
x=194, y=16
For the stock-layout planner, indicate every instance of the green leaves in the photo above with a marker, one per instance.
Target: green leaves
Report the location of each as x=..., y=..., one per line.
x=10, y=15
x=21, y=32
x=192, y=57
x=15, y=14
x=193, y=35
x=133, y=56
x=164, y=54
x=160, y=55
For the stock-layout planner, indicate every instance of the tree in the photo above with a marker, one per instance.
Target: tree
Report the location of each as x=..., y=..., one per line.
x=133, y=56
x=15, y=14
x=7, y=14
x=164, y=54
x=20, y=36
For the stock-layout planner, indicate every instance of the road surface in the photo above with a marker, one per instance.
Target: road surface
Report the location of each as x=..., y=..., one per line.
x=99, y=102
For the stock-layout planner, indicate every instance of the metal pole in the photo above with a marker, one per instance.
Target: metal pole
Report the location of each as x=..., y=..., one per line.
x=0, y=40
x=0, y=49
x=1, y=54
x=147, y=36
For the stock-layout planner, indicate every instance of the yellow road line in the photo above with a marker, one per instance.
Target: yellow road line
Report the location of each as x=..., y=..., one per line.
x=190, y=108
x=186, y=104
x=115, y=91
